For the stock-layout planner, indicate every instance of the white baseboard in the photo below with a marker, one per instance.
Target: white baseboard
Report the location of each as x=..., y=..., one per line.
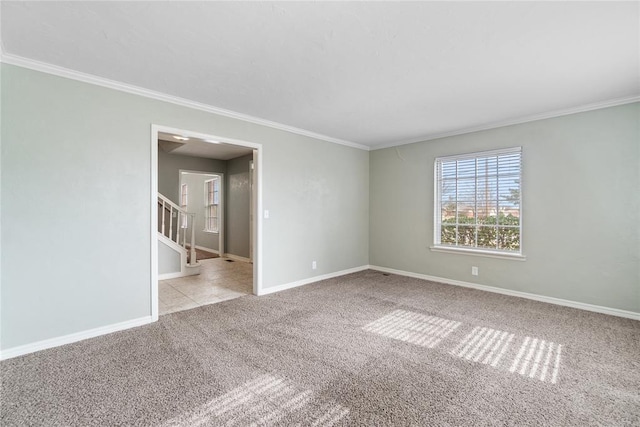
x=103, y=330
x=236, y=257
x=273, y=289
x=542, y=298
x=187, y=271
x=203, y=248
x=167, y=276
x=71, y=338
x=213, y=251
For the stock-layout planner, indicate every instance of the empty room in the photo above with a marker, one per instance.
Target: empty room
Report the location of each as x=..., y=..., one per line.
x=320, y=213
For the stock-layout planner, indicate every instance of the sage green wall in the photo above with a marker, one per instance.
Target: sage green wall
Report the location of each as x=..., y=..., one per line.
x=76, y=182
x=581, y=208
x=237, y=207
x=169, y=166
x=168, y=259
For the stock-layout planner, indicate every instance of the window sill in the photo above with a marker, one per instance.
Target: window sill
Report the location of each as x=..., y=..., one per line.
x=211, y=232
x=479, y=252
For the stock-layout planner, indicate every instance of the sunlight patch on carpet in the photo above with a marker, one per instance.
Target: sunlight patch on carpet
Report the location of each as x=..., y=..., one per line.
x=414, y=328
x=484, y=345
x=538, y=358
x=266, y=400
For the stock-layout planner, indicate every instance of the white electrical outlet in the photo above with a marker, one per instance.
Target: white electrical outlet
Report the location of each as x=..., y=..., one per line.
x=313, y=265
x=474, y=271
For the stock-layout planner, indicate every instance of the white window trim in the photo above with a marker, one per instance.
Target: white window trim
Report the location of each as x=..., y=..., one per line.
x=480, y=252
x=206, y=205
x=464, y=250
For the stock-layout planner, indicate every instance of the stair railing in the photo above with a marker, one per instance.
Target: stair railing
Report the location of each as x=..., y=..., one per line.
x=192, y=246
x=170, y=213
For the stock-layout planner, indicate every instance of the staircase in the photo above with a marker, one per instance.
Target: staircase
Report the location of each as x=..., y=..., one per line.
x=175, y=231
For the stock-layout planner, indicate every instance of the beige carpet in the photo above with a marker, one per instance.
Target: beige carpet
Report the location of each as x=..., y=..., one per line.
x=364, y=349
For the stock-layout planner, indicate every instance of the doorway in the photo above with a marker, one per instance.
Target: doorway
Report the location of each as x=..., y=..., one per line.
x=202, y=193
x=205, y=144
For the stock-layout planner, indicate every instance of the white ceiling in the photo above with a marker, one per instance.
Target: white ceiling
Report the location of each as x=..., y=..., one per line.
x=196, y=147
x=373, y=73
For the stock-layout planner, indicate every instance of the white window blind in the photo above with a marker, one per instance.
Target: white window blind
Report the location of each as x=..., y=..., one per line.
x=478, y=201
x=212, y=203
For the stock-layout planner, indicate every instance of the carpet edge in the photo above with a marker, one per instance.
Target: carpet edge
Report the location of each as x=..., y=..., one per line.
x=536, y=297
x=73, y=337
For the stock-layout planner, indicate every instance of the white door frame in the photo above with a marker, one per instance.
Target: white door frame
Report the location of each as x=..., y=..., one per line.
x=257, y=224
x=221, y=217
x=252, y=203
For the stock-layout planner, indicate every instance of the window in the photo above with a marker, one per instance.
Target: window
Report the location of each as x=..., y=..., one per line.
x=477, y=204
x=184, y=197
x=212, y=203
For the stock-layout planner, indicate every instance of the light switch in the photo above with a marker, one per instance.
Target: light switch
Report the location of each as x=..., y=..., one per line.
x=266, y=214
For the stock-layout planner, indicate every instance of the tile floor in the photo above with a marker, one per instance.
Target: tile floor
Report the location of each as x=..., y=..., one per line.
x=219, y=280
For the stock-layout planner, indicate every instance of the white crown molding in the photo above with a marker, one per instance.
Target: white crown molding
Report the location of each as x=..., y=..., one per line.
x=136, y=90
x=517, y=121
x=123, y=87
x=542, y=298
